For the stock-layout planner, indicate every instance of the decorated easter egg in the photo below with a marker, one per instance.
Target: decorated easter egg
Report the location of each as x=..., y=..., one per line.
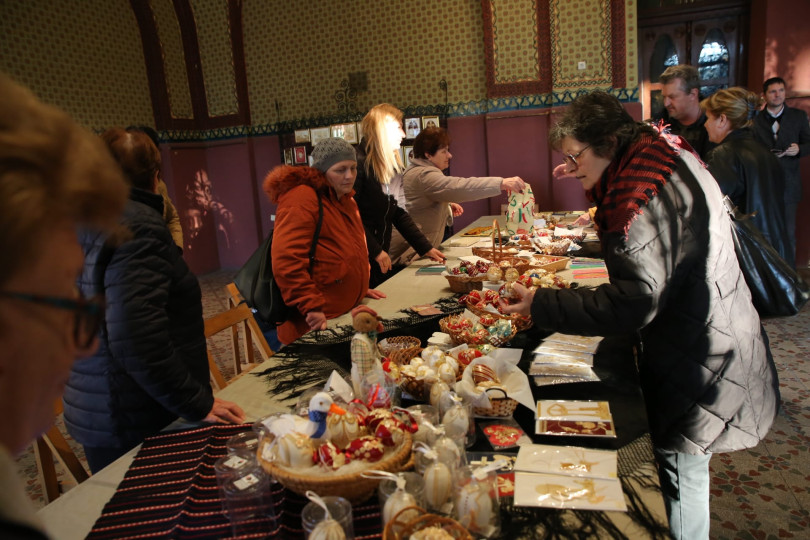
x=448, y=451
x=494, y=273
x=474, y=507
x=490, y=296
x=456, y=421
x=468, y=355
x=487, y=320
x=483, y=373
x=511, y=275
x=366, y=449
x=474, y=295
x=389, y=432
x=438, y=484
x=397, y=501
x=438, y=389
x=447, y=373
x=343, y=428
x=376, y=416
x=416, y=361
x=432, y=355
x=295, y=450
x=328, y=529
x=452, y=362
x=331, y=457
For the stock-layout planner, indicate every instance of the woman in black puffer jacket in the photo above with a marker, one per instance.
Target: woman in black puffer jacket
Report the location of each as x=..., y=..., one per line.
x=151, y=365
x=706, y=371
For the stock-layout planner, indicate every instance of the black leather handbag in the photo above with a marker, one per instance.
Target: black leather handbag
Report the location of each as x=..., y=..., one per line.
x=776, y=288
x=258, y=287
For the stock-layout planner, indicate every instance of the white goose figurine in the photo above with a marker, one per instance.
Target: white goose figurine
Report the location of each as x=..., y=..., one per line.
x=314, y=427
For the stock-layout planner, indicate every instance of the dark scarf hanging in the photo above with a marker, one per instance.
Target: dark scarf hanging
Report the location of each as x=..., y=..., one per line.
x=630, y=182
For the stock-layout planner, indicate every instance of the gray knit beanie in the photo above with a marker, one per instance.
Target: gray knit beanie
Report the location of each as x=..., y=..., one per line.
x=330, y=151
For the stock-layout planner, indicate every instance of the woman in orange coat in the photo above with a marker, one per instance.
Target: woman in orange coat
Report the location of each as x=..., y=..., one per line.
x=338, y=280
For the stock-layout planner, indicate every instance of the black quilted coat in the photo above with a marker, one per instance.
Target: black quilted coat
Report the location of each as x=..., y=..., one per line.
x=707, y=374
x=151, y=365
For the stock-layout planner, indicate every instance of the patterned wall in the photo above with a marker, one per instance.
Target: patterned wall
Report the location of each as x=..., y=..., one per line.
x=580, y=32
x=84, y=56
x=213, y=33
x=174, y=63
x=515, y=40
x=299, y=55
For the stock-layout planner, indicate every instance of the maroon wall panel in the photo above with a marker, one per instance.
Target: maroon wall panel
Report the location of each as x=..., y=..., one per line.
x=469, y=148
x=266, y=155
x=233, y=203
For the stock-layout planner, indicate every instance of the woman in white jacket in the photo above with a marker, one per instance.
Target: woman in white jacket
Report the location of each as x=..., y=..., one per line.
x=431, y=198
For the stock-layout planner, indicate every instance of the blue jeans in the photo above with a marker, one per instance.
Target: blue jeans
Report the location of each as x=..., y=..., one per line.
x=685, y=485
x=270, y=333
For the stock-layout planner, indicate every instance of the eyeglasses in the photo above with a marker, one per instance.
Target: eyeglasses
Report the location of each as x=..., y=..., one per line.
x=88, y=313
x=571, y=159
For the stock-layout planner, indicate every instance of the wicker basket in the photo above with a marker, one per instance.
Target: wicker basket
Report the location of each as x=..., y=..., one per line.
x=518, y=322
x=495, y=253
x=499, y=406
x=353, y=486
x=555, y=248
x=400, y=348
x=463, y=283
x=404, y=525
x=495, y=341
x=416, y=388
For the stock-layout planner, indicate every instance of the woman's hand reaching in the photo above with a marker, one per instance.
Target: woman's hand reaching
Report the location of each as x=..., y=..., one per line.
x=515, y=183
x=375, y=294
x=384, y=261
x=436, y=255
x=316, y=320
x=456, y=209
x=225, y=412
x=522, y=306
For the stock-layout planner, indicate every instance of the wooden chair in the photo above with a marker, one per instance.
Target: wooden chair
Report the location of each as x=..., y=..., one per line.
x=234, y=299
x=234, y=318
x=51, y=446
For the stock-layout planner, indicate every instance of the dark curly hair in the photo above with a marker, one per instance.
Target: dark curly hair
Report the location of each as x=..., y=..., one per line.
x=599, y=120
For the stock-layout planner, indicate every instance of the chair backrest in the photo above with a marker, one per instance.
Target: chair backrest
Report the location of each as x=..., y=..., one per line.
x=234, y=299
x=53, y=445
x=231, y=320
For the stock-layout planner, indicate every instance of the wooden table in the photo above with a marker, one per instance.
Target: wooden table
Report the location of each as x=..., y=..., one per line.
x=74, y=513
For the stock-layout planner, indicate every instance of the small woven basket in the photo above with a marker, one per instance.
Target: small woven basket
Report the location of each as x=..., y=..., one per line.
x=499, y=406
x=473, y=339
x=555, y=248
x=353, y=486
x=400, y=348
x=416, y=388
x=405, y=524
x=463, y=283
x=548, y=263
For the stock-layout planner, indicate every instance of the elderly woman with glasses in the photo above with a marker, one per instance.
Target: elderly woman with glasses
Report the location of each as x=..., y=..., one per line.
x=53, y=177
x=706, y=371
x=151, y=365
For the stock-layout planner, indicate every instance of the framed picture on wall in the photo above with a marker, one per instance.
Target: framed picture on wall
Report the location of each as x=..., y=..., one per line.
x=430, y=121
x=318, y=134
x=412, y=128
x=338, y=130
x=407, y=155
x=302, y=135
x=350, y=133
x=288, y=156
x=300, y=153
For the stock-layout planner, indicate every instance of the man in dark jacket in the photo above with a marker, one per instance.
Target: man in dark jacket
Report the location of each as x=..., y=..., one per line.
x=151, y=365
x=786, y=132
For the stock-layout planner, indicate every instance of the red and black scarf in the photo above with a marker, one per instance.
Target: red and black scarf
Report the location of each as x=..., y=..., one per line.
x=631, y=181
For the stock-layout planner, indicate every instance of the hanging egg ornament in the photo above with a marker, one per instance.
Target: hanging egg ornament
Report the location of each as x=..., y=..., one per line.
x=494, y=273
x=398, y=501
x=456, y=421
x=511, y=275
x=343, y=428
x=474, y=507
x=438, y=484
x=328, y=529
x=438, y=389
x=448, y=451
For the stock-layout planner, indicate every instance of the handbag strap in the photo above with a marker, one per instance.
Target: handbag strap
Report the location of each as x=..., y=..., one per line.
x=317, y=233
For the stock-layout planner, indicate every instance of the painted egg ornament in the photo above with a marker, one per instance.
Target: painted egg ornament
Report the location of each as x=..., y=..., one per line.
x=344, y=428
x=366, y=449
x=416, y=361
x=490, y=296
x=494, y=273
x=486, y=349
x=328, y=529
x=376, y=416
x=511, y=275
x=397, y=501
x=474, y=507
x=433, y=355
x=474, y=296
x=456, y=421
x=439, y=389
x=483, y=373
x=389, y=432
x=487, y=320
x=448, y=451
x=438, y=482
x=330, y=456
x=468, y=355
x=426, y=372
x=295, y=450
x=525, y=280
x=447, y=373
x=452, y=362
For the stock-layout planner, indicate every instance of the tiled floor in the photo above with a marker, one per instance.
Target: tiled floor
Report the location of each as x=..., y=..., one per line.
x=760, y=493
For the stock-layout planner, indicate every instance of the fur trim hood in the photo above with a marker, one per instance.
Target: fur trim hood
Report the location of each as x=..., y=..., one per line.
x=283, y=178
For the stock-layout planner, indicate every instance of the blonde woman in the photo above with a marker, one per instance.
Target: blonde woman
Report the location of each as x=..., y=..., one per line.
x=744, y=168
x=378, y=161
